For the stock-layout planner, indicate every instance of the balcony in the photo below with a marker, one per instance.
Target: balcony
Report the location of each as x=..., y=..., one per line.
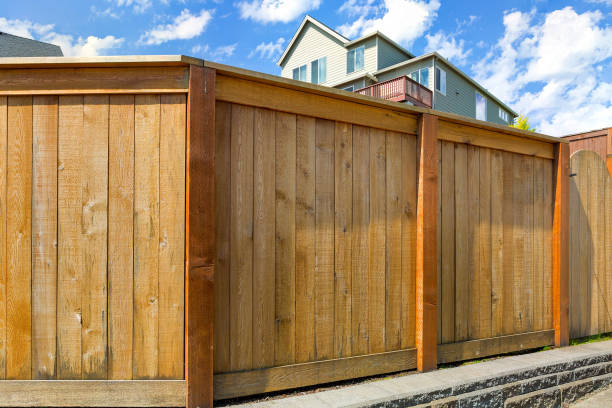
x=400, y=89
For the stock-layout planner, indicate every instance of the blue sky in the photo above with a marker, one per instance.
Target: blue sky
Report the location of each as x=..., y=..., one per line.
x=550, y=60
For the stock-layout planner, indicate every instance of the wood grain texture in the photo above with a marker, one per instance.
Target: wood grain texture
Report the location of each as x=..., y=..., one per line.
x=426, y=244
x=44, y=236
x=473, y=244
x=19, y=240
x=70, y=262
x=462, y=242
x=497, y=243
x=408, y=219
x=171, y=251
x=120, y=236
x=484, y=224
x=3, y=245
x=560, y=261
x=447, y=249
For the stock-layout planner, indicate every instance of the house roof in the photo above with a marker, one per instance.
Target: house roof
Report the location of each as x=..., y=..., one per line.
x=342, y=39
x=454, y=68
x=14, y=46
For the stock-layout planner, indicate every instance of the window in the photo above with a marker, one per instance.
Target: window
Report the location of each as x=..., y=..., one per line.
x=349, y=88
x=441, y=81
x=481, y=107
x=299, y=73
x=354, y=59
x=318, y=71
x=421, y=76
x=503, y=115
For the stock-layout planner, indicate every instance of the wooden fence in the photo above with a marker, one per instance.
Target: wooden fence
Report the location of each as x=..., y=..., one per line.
x=164, y=219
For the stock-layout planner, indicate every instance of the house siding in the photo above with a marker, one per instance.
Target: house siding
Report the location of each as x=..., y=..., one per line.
x=388, y=54
x=408, y=69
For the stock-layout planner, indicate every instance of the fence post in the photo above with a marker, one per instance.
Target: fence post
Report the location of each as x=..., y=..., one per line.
x=560, y=245
x=426, y=250
x=199, y=236
x=609, y=151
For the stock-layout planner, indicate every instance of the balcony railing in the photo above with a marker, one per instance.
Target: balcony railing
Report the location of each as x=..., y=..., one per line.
x=400, y=89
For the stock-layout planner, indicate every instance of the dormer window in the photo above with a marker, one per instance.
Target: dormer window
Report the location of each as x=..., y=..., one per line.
x=318, y=71
x=299, y=73
x=354, y=59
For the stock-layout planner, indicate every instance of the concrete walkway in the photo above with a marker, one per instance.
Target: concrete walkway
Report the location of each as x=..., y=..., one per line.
x=601, y=399
x=381, y=391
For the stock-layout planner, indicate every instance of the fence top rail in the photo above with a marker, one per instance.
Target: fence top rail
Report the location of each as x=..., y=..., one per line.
x=182, y=60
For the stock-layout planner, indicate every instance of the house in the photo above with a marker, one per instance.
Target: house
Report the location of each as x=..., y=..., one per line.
x=14, y=46
x=376, y=65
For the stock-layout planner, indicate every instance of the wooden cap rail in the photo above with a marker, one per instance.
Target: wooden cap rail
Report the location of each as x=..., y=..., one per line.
x=205, y=84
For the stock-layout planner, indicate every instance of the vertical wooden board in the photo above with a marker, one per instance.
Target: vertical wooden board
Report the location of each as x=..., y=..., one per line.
x=473, y=215
x=596, y=222
x=547, y=230
x=528, y=168
x=393, y=312
x=559, y=255
x=241, y=239
x=485, y=244
x=408, y=252
x=376, y=291
x=146, y=236
x=538, y=243
x=263, y=236
x=285, y=173
x=69, y=255
x=172, y=237
x=608, y=238
x=44, y=236
x=523, y=205
x=223, y=120
x=508, y=209
x=574, y=248
x=361, y=240
x=19, y=239
x=497, y=243
x=447, y=301
x=120, y=236
x=462, y=238
x=584, y=250
x=439, y=241
x=343, y=202
x=3, y=246
x=94, y=195
x=324, y=235
x=305, y=240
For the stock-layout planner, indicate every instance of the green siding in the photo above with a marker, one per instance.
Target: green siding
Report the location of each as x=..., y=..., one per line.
x=388, y=54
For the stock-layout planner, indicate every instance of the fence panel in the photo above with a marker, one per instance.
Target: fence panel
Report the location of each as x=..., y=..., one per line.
x=590, y=245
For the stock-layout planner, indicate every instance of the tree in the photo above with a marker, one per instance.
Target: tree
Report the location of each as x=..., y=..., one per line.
x=522, y=122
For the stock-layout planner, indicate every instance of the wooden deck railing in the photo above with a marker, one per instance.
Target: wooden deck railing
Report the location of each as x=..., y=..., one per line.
x=400, y=89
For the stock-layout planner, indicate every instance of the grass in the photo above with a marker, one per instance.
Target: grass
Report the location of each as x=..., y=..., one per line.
x=591, y=339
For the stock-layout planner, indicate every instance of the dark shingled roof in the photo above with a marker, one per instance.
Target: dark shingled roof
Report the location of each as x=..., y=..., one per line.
x=13, y=46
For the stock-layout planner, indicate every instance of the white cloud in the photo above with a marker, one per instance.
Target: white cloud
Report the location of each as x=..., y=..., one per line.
x=274, y=11
x=219, y=53
x=184, y=27
x=270, y=50
x=550, y=69
x=224, y=50
x=108, y=12
x=139, y=6
x=447, y=46
x=402, y=20
x=200, y=49
x=606, y=2
x=71, y=47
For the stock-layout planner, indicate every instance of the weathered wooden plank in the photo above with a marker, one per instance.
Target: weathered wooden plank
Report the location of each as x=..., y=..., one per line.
x=171, y=254
x=263, y=236
x=70, y=261
x=497, y=243
x=94, y=195
x=305, y=240
x=484, y=282
x=393, y=289
x=285, y=173
x=44, y=236
x=305, y=374
x=508, y=239
x=426, y=251
x=462, y=238
x=608, y=247
x=547, y=226
x=241, y=239
x=596, y=222
x=152, y=393
x=376, y=277
x=361, y=240
x=343, y=160
x=408, y=219
x=146, y=236
x=120, y=236
x=447, y=251
x=71, y=81
x=539, y=216
x=223, y=199
x=521, y=207
x=200, y=237
x=324, y=237
x=19, y=239
x=3, y=245
x=473, y=244
x=560, y=246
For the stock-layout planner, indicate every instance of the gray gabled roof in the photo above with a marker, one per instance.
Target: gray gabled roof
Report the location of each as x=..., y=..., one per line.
x=14, y=46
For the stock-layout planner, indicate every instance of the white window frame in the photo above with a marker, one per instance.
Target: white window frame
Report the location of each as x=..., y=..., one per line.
x=438, y=86
x=354, y=51
x=318, y=61
x=476, y=105
x=503, y=115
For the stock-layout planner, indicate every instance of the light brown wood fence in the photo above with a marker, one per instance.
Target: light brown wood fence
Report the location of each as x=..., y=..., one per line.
x=330, y=229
